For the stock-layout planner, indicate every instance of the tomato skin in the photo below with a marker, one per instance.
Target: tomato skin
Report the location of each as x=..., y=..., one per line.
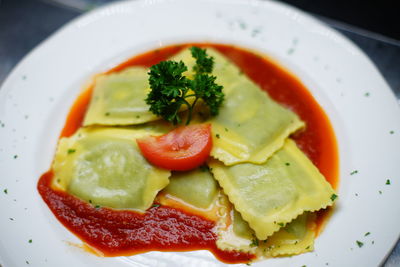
x=182, y=149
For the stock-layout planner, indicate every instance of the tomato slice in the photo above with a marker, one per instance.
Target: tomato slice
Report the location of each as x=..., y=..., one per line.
x=182, y=149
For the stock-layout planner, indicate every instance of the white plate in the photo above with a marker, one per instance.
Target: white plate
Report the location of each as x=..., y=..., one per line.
x=35, y=99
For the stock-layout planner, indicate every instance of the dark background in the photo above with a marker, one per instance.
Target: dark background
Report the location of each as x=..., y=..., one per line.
x=374, y=26
x=379, y=16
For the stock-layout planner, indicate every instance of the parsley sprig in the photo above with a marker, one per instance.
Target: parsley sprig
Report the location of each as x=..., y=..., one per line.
x=170, y=89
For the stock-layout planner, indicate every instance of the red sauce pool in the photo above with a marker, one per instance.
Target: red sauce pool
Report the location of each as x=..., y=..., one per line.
x=115, y=233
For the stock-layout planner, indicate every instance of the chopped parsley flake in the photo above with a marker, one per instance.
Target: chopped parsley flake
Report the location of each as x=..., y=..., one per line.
x=217, y=135
x=254, y=243
x=367, y=234
x=5, y=191
x=156, y=205
x=287, y=163
x=391, y=132
x=380, y=192
x=333, y=197
x=15, y=156
x=308, y=247
x=255, y=32
x=30, y=241
x=204, y=168
x=354, y=172
x=281, y=224
x=388, y=182
x=97, y=206
x=359, y=244
x=367, y=94
x=71, y=150
x=90, y=201
x=137, y=116
x=11, y=219
x=27, y=262
x=242, y=25
x=226, y=130
x=107, y=114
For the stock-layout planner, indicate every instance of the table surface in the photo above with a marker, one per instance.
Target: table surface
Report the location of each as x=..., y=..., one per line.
x=25, y=23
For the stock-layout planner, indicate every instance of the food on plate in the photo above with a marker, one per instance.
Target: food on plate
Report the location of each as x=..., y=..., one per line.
x=182, y=149
x=272, y=194
x=103, y=166
x=119, y=99
x=197, y=146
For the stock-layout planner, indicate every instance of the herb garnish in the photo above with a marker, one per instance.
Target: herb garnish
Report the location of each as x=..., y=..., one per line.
x=170, y=89
x=254, y=243
x=354, y=172
x=388, y=182
x=367, y=233
x=333, y=197
x=359, y=244
x=204, y=168
x=71, y=150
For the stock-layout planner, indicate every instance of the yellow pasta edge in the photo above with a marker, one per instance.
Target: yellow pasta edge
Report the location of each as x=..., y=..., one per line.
x=271, y=226
x=262, y=155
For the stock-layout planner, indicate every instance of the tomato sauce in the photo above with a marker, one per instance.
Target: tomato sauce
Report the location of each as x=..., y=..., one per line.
x=114, y=233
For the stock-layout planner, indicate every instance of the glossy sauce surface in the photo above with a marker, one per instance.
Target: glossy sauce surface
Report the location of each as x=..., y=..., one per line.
x=161, y=228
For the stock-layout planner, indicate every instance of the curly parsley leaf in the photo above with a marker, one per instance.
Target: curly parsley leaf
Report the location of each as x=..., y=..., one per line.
x=204, y=63
x=204, y=87
x=170, y=88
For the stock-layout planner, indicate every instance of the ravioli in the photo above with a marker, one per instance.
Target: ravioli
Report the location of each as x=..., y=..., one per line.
x=104, y=166
x=234, y=234
x=224, y=70
x=119, y=99
x=295, y=238
x=197, y=187
x=250, y=126
x=272, y=194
